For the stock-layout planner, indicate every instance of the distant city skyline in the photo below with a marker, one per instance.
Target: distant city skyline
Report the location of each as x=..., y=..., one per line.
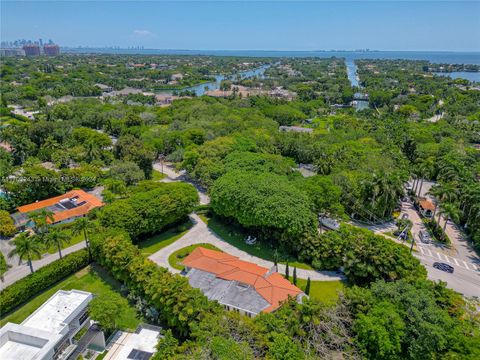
x=249, y=25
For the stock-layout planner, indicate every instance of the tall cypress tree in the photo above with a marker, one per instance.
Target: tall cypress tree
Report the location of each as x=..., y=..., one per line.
x=295, y=275
x=307, y=288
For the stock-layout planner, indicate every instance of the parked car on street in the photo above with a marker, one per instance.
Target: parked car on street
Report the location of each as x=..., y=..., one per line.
x=444, y=267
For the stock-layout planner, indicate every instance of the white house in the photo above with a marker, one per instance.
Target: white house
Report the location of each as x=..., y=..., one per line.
x=47, y=333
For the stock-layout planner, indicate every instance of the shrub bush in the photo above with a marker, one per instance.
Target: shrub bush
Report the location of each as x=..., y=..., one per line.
x=180, y=306
x=7, y=227
x=22, y=290
x=150, y=211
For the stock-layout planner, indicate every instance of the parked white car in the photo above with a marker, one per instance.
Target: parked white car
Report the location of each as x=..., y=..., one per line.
x=329, y=223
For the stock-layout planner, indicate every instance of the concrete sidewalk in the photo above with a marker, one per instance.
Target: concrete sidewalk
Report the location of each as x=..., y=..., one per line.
x=21, y=270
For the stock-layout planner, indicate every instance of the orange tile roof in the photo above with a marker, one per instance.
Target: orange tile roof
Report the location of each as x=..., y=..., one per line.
x=273, y=287
x=91, y=202
x=427, y=205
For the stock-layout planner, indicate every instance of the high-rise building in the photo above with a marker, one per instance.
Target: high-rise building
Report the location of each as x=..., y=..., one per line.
x=51, y=49
x=31, y=49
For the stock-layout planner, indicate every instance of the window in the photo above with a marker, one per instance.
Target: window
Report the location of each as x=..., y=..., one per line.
x=139, y=355
x=82, y=318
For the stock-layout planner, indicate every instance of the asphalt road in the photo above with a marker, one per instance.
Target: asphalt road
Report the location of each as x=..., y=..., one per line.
x=466, y=282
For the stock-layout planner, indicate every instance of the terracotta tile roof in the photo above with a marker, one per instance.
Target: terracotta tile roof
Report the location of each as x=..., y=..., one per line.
x=272, y=286
x=90, y=200
x=426, y=205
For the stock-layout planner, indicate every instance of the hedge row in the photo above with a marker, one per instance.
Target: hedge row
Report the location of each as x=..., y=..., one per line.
x=24, y=289
x=180, y=306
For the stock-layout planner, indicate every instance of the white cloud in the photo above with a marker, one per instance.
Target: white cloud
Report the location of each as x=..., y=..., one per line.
x=142, y=33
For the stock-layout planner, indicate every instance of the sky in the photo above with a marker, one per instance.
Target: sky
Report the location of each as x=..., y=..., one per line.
x=248, y=25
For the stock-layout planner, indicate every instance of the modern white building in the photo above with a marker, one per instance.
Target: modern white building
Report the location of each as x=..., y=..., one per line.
x=139, y=345
x=47, y=333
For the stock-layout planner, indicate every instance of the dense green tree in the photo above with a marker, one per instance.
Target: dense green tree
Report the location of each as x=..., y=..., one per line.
x=7, y=226
x=266, y=202
x=106, y=309
x=149, y=212
x=283, y=348
x=126, y=171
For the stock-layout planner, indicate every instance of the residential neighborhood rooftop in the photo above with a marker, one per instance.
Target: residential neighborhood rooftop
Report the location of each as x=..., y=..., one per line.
x=237, y=283
x=139, y=345
x=73, y=204
x=40, y=336
x=56, y=312
x=426, y=204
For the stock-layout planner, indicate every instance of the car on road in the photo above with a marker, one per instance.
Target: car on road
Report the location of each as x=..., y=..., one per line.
x=444, y=267
x=425, y=237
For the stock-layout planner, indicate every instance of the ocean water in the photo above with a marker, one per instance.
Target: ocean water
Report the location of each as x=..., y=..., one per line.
x=472, y=76
x=447, y=57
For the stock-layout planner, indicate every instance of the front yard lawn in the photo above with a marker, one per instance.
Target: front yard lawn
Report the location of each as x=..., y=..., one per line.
x=176, y=257
x=324, y=291
x=93, y=279
x=159, y=241
x=157, y=175
x=236, y=238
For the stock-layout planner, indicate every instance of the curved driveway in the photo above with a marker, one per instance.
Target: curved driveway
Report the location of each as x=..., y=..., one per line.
x=201, y=233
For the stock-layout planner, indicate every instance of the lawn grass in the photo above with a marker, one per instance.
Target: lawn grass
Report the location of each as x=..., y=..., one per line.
x=236, y=238
x=92, y=279
x=157, y=242
x=323, y=291
x=73, y=239
x=176, y=257
x=157, y=175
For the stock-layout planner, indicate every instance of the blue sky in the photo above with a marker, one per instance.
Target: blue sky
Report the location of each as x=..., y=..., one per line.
x=248, y=25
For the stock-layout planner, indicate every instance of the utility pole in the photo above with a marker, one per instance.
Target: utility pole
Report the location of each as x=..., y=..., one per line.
x=162, y=159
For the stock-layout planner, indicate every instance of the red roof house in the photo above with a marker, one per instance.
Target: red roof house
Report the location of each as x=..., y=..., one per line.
x=237, y=284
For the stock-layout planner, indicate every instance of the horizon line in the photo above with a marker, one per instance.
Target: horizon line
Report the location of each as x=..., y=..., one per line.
x=262, y=50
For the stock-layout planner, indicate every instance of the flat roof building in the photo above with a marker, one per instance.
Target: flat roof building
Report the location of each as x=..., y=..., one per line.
x=138, y=345
x=65, y=208
x=236, y=284
x=47, y=333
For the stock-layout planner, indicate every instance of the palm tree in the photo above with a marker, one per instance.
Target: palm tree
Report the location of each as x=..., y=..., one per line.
x=92, y=151
x=56, y=238
x=26, y=247
x=450, y=212
x=424, y=171
x=82, y=225
x=445, y=193
x=41, y=219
